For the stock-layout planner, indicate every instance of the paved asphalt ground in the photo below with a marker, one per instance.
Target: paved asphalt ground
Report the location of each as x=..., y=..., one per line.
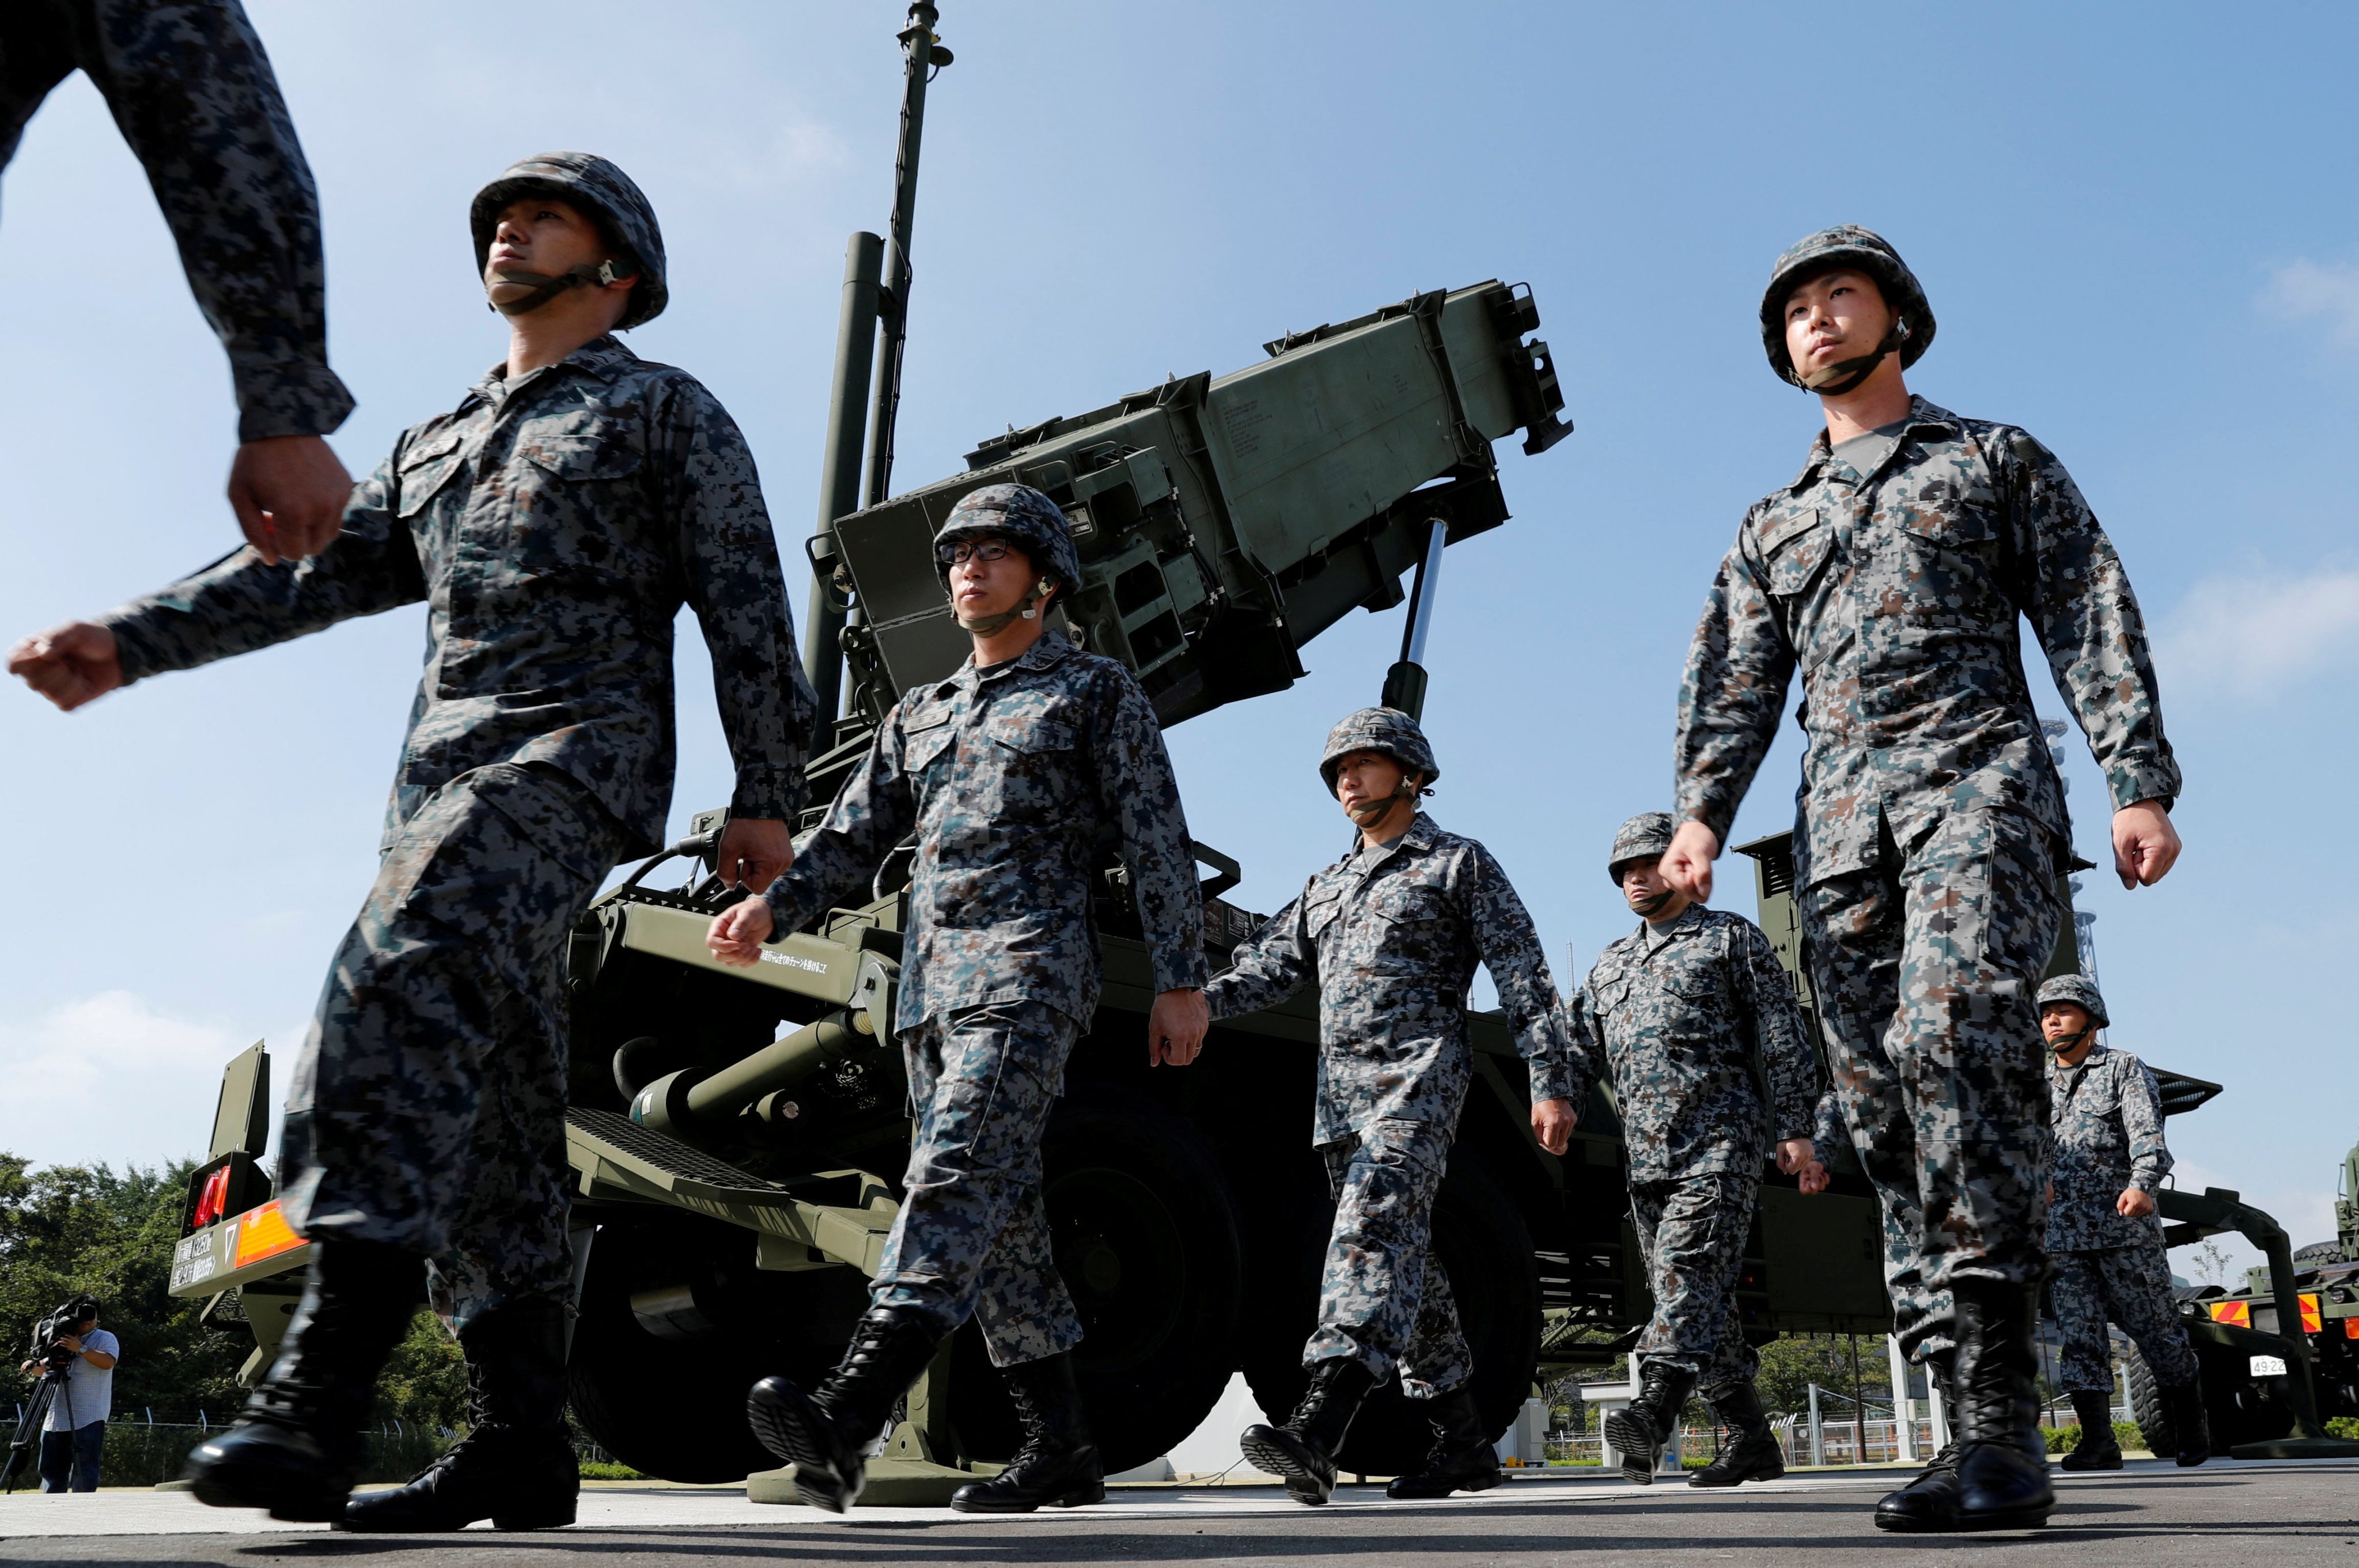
x=2149, y=1516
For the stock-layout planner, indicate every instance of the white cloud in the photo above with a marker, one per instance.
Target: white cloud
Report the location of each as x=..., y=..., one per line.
x=2252, y=635
x=112, y=1078
x=2306, y=289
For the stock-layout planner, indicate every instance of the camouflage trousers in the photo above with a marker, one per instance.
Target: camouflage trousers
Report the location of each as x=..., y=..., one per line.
x=1926, y=966
x=972, y=1239
x=2131, y=1285
x=1692, y=1235
x=1381, y=1302
x=428, y=1108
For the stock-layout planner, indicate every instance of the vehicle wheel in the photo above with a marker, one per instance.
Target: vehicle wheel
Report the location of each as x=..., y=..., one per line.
x=661, y=1385
x=1482, y=1244
x=2145, y=1405
x=1146, y=1240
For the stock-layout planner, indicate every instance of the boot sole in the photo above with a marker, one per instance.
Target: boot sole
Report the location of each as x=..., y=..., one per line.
x=1303, y=1485
x=786, y=1423
x=2112, y=1463
x=1627, y=1435
x=1778, y=1473
x=1901, y=1524
x=1080, y=1497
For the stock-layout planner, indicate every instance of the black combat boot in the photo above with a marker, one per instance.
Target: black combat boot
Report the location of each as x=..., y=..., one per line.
x=1463, y=1459
x=516, y=1467
x=1751, y=1453
x=829, y=1436
x=1303, y=1450
x=2098, y=1449
x=1058, y=1464
x=1643, y=1430
x=1930, y=1502
x=296, y=1444
x=2002, y=1462
x=2190, y=1433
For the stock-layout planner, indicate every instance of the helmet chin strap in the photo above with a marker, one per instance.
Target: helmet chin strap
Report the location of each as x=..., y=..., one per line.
x=514, y=292
x=1030, y=610
x=2064, y=1042
x=1369, y=812
x=1848, y=375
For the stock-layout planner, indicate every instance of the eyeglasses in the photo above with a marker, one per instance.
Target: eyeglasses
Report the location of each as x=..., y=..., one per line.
x=986, y=551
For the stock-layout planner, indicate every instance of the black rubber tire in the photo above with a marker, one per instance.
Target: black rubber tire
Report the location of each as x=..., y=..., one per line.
x=1146, y=1238
x=675, y=1408
x=2319, y=1252
x=1481, y=1242
x=2146, y=1407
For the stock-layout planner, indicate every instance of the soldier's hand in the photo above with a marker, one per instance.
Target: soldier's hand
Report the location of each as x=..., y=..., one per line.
x=1687, y=865
x=289, y=493
x=755, y=852
x=2135, y=1203
x=1552, y=1124
x=1793, y=1153
x=738, y=932
x=2146, y=846
x=1175, y=1030
x=1814, y=1178
x=70, y=665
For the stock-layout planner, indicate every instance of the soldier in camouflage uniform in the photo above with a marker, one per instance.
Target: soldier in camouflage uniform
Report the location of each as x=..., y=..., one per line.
x=553, y=522
x=1693, y=1022
x=192, y=91
x=1391, y=934
x=1891, y=572
x=2104, y=1244
x=1013, y=778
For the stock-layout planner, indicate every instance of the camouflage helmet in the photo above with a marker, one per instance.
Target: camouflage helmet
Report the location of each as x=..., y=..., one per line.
x=1644, y=837
x=2079, y=990
x=592, y=183
x=1847, y=244
x=1386, y=730
x=1025, y=518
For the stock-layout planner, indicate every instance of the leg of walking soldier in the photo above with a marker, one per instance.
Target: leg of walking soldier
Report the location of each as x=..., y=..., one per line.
x=1437, y=1370
x=1978, y=919
x=1030, y=1328
x=1692, y=1235
x=427, y=1108
x=985, y=1079
x=1369, y=1294
x=2139, y=1297
x=2084, y=1367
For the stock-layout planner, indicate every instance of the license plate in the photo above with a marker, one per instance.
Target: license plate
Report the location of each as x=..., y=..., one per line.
x=2268, y=1366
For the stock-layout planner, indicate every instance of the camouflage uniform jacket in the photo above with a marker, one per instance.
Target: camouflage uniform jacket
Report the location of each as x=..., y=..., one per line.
x=1682, y=1029
x=193, y=93
x=1897, y=593
x=1018, y=783
x=554, y=527
x=2105, y=1116
x=1393, y=937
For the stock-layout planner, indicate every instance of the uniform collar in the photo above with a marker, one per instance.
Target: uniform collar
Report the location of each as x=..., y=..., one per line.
x=1922, y=416
x=602, y=356
x=1418, y=835
x=1051, y=650
x=1690, y=918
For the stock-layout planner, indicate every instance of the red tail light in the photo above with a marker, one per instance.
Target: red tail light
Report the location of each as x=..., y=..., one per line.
x=213, y=1199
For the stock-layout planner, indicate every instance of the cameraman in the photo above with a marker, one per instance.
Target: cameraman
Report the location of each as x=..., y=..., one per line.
x=75, y=1433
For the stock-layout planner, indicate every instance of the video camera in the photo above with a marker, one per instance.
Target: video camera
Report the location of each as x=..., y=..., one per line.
x=54, y=1356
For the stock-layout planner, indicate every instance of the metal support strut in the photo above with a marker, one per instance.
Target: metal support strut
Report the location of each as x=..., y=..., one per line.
x=1404, y=681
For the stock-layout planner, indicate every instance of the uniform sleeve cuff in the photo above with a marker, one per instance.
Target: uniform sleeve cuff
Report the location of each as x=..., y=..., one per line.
x=1550, y=1082
x=1182, y=971
x=298, y=400
x=2130, y=779
x=772, y=794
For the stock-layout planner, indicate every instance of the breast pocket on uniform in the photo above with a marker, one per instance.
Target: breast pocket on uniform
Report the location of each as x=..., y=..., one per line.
x=1794, y=546
x=1318, y=914
x=923, y=739
x=425, y=470
x=575, y=503
x=1945, y=520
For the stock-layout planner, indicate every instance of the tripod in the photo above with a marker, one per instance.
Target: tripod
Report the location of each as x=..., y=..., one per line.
x=28, y=1431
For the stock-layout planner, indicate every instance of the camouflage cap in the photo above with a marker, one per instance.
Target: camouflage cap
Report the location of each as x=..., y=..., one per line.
x=1644, y=837
x=1025, y=518
x=592, y=183
x=1845, y=245
x=1386, y=730
x=2079, y=990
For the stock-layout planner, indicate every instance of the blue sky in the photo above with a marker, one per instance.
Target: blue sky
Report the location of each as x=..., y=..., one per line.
x=2134, y=223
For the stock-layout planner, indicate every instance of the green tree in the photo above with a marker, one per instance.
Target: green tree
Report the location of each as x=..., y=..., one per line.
x=1790, y=1364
